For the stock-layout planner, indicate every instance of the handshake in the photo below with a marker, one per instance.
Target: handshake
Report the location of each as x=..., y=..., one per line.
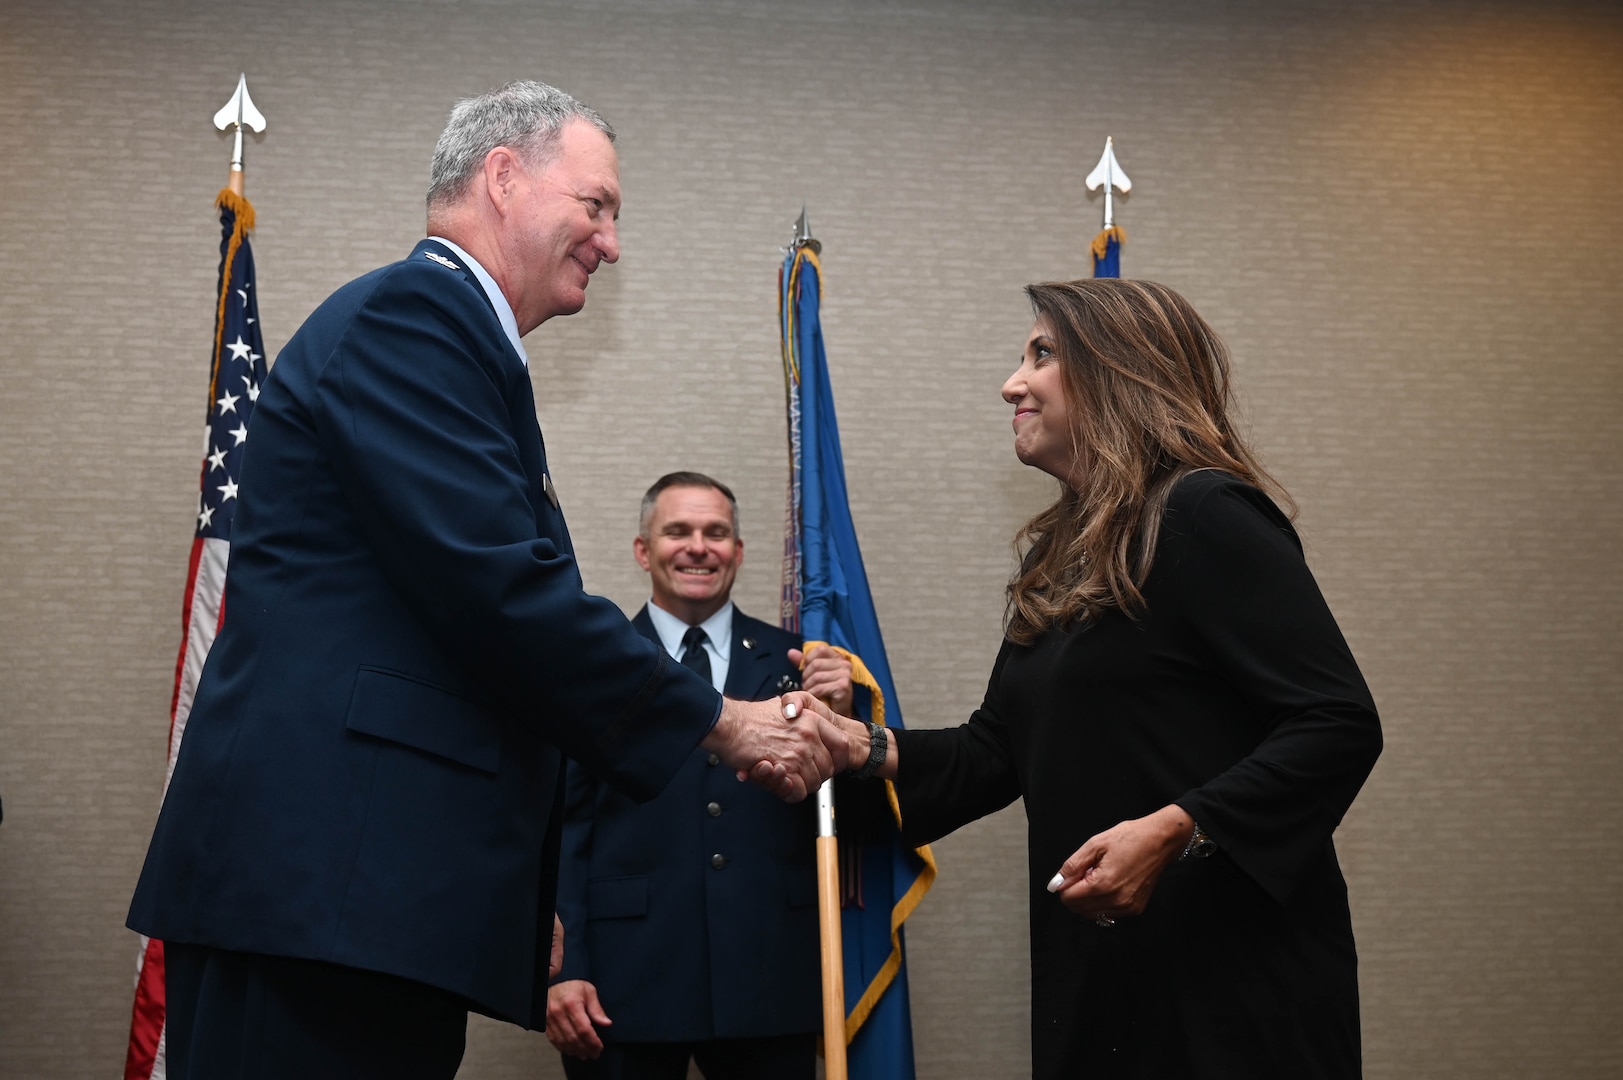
x=790, y=745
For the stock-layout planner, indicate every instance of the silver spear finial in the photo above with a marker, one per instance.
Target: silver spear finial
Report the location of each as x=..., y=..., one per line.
x=238, y=113
x=803, y=236
x=1108, y=174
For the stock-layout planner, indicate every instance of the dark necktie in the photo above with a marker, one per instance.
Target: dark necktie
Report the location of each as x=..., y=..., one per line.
x=693, y=654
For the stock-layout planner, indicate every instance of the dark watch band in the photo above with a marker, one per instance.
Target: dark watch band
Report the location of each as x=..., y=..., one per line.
x=878, y=747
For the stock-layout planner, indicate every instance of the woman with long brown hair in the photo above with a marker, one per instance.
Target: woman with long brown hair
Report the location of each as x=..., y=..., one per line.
x=1176, y=707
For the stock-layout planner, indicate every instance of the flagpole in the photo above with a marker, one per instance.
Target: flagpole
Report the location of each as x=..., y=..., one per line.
x=1106, y=247
x=236, y=372
x=828, y=924
x=828, y=862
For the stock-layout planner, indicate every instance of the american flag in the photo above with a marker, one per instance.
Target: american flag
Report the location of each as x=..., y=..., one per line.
x=236, y=374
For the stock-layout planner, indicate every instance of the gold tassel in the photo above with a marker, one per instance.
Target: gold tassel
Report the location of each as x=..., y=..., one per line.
x=238, y=204
x=1101, y=243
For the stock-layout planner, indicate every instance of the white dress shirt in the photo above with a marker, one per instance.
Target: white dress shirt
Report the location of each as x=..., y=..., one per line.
x=718, y=630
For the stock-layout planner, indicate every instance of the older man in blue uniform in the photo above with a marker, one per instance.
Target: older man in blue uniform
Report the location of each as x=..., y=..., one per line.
x=359, y=843
x=692, y=918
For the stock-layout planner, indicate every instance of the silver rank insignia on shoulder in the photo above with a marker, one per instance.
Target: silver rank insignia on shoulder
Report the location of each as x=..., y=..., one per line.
x=441, y=259
x=550, y=491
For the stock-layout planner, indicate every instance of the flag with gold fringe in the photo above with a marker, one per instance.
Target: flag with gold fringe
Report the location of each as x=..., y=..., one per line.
x=236, y=372
x=826, y=599
x=1109, y=176
x=1107, y=251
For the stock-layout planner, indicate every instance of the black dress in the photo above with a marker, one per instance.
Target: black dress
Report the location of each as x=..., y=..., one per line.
x=1235, y=696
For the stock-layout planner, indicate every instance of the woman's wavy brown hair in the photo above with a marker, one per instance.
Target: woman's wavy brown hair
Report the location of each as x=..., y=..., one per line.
x=1147, y=383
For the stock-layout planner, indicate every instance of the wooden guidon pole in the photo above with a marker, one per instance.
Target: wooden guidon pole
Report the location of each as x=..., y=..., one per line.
x=828, y=919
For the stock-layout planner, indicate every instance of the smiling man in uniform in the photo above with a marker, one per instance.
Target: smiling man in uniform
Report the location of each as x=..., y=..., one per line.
x=692, y=919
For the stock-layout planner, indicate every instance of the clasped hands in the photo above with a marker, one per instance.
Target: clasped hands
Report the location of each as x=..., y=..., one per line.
x=788, y=745
x=791, y=744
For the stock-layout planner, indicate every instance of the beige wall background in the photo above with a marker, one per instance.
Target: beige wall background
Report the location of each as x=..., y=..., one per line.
x=1402, y=215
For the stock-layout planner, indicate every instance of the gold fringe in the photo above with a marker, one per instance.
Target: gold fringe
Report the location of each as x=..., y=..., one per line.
x=1101, y=243
x=238, y=204
x=791, y=359
x=899, y=912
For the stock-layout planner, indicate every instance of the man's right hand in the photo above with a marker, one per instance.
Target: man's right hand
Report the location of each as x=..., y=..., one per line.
x=573, y=1017
x=761, y=743
x=846, y=739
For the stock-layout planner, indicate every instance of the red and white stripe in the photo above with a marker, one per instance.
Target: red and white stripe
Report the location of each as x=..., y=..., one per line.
x=200, y=623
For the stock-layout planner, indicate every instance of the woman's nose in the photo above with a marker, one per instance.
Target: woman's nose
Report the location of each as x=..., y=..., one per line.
x=1015, y=388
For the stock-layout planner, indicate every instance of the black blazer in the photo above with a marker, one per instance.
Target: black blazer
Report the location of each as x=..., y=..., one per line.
x=695, y=914
x=372, y=766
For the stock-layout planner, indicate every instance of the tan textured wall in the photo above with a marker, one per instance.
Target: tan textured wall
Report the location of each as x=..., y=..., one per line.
x=1403, y=216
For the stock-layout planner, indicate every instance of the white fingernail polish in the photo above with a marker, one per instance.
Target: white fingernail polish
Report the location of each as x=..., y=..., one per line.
x=791, y=710
x=1056, y=881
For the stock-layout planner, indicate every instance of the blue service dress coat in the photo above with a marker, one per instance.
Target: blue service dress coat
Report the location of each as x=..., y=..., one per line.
x=372, y=772
x=695, y=914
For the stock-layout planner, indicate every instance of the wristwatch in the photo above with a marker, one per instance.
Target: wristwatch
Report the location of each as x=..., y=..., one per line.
x=1200, y=845
x=878, y=747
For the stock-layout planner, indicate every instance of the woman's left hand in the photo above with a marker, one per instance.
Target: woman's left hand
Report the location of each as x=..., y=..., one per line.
x=1114, y=873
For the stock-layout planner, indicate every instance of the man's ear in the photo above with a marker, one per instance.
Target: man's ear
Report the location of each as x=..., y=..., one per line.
x=501, y=172
x=639, y=549
x=738, y=553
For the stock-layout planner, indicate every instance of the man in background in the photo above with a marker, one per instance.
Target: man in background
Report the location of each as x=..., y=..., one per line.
x=692, y=918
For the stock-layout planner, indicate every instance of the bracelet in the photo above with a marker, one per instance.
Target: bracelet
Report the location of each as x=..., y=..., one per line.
x=878, y=747
x=1200, y=845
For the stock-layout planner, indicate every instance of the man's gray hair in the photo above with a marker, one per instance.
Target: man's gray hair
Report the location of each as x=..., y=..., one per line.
x=526, y=116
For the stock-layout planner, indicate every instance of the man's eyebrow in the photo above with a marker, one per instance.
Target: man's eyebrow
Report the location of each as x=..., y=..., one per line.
x=610, y=196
